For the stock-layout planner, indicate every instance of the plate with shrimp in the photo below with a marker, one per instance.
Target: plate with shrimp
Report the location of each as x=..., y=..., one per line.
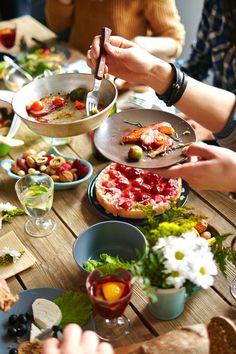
x=144, y=138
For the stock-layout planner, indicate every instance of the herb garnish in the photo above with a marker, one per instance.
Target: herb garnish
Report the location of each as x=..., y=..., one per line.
x=8, y=211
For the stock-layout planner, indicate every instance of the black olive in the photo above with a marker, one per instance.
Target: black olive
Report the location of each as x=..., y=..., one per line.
x=29, y=316
x=56, y=328
x=13, y=351
x=12, y=332
x=13, y=319
x=21, y=329
x=22, y=318
x=57, y=331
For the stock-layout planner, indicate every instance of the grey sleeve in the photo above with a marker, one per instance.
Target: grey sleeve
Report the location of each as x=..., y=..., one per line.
x=227, y=136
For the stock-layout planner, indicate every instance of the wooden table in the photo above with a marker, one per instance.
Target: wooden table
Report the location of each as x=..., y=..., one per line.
x=55, y=266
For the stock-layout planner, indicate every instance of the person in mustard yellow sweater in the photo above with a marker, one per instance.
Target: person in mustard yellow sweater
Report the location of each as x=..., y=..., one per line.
x=153, y=24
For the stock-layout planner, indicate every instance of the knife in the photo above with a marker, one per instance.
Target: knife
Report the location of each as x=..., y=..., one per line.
x=48, y=333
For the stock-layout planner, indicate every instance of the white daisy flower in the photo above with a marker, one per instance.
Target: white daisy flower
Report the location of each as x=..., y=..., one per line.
x=160, y=244
x=176, y=253
x=203, y=271
x=13, y=253
x=7, y=207
x=176, y=279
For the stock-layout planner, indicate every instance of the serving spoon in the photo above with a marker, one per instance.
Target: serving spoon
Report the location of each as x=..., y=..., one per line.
x=8, y=140
x=11, y=62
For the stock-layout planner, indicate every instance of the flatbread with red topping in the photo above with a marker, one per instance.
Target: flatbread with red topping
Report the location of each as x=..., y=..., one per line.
x=119, y=189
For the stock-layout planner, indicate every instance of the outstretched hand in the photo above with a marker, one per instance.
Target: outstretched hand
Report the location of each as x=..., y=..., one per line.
x=208, y=171
x=77, y=342
x=3, y=285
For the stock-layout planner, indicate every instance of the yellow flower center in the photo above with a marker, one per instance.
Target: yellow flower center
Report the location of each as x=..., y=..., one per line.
x=179, y=255
x=202, y=270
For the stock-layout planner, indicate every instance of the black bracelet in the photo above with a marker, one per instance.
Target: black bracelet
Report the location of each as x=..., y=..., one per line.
x=176, y=88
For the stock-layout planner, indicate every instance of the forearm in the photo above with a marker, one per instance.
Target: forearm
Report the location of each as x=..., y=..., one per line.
x=210, y=106
x=161, y=47
x=59, y=14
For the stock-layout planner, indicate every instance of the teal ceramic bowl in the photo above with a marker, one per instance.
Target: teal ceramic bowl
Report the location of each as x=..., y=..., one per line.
x=116, y=238
x=6, y=165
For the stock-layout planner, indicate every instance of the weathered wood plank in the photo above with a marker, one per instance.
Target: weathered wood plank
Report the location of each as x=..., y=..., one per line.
x=200, y=308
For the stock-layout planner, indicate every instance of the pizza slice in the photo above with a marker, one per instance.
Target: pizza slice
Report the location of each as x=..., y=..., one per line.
x=120, y=189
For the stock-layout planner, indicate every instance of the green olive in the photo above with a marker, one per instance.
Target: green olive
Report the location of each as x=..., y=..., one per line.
x=135, y=153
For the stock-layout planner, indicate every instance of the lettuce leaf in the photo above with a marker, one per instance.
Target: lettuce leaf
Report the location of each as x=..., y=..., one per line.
x=112, y=262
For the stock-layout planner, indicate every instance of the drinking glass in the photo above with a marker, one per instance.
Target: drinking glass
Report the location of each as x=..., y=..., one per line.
x=109, y=296
x=35, y=193
x=8, y=34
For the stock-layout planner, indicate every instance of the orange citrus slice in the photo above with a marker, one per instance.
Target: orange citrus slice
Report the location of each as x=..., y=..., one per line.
x=113, y=291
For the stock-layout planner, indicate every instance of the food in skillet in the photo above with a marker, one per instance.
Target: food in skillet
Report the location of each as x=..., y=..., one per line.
x=119, y=189
x=155, y=139
x=60, y=107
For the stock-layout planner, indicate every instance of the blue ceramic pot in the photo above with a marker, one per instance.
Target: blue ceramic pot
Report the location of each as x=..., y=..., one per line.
x=169, y=304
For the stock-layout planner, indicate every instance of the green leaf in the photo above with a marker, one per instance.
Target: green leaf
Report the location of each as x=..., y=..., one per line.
x=105, y=261
x=75, y=308
x=8, y=215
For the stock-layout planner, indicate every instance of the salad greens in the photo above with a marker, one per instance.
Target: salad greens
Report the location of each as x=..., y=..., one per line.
x=37, y=60
x=107, y=264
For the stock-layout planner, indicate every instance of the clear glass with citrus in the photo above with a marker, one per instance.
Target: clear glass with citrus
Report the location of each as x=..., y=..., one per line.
x=110, y=295
x=35, y=193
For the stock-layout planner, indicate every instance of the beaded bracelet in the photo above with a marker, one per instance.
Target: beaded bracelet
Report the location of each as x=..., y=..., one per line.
x=176, y=88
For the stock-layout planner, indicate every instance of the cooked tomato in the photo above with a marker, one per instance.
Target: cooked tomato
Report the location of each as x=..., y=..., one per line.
x=36, y=106
x=59, y=101
x=79, y=105
x=45, y=51
x=42, y=120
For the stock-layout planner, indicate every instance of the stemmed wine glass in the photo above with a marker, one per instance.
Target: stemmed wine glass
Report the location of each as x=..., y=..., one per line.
x=8, y=34
x=35, y=193
x=110, y=295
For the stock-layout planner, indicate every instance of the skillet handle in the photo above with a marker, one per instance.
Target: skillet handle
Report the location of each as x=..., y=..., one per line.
x=6, y=96
x=105, y=36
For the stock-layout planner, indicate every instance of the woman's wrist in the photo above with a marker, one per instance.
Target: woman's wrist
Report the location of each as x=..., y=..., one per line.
x=160, y=76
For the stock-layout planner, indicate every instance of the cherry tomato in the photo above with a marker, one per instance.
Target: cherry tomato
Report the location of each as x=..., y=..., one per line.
x=79, y=105
x=37, y=106
x=59, y=101
x=46, y=51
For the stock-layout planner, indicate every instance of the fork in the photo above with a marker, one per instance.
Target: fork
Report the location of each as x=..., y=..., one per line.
x=92, y=96
x=138, y=101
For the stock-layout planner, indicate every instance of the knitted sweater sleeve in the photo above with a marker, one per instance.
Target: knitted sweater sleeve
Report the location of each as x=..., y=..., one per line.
x=59, y=17
x=164, y=21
